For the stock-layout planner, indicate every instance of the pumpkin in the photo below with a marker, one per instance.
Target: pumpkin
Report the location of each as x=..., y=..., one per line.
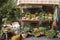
x=36, y=32
x=50, y=33
x=42, y=33
x=33, y=19
x=15, y=37
x=33, y=15
x=24, y=35
x=37, y=18
x=35, y=29
x=27, y=18
x=54, y=23
x=50, y=14
x=58, y=35
x=42, y=30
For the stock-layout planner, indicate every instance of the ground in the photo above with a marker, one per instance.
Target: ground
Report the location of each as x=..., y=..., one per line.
x=40, y=38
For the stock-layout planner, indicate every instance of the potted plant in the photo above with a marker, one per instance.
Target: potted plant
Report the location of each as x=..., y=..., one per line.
x=42, y=30
x=24, y=31
x=36, y=32
x=50, y=33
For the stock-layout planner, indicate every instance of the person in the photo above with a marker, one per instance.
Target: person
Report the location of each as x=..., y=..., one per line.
x=16, y=27
x=6, y=30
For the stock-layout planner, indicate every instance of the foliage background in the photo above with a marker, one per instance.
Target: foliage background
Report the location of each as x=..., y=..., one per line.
x=9, y=11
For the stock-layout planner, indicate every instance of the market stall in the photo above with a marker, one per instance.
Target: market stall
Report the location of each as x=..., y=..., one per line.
x=38, y=13
x=37, y=6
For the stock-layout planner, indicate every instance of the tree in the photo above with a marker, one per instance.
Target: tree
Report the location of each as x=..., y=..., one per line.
x=9, y=10
x=2, y=2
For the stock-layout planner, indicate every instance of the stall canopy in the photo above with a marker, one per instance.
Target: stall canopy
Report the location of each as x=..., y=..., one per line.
x=55, y=2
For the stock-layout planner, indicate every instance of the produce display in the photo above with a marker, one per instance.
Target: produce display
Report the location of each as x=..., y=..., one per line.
x=39, y=30
x=41, y=16
x=30, y=17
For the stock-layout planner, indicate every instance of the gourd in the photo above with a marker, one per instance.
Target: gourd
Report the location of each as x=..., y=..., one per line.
x=42, y=30
x=36, y=32
x=41, y=15
x=27, y=19
x=33, y=15
x=24, y=35
x=24, y=31
x=50, y=14
x=15, y=37
x=33, y=19
x=50, y=33
x=37, y=17
x=50, y=17
x=53, y=25
x=28, y=16
x=58, y=35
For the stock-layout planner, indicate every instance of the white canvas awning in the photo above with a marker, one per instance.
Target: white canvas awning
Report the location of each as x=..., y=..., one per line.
x=55, y=2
